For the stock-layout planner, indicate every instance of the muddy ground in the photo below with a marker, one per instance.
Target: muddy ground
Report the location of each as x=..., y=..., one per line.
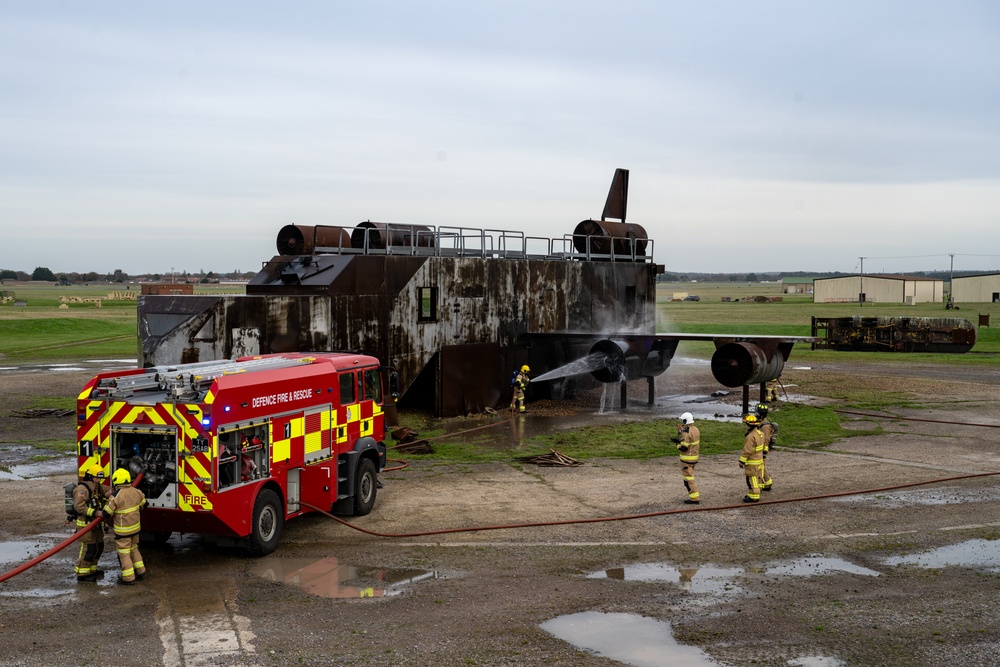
x=815, y=583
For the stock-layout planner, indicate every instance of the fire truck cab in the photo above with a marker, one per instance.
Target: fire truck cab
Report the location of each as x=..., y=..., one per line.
x=232, y=449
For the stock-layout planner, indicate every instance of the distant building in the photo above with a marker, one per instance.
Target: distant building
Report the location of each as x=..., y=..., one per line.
x=874, y=288
x=982, y=288
x=797, y=285
x=166, y=288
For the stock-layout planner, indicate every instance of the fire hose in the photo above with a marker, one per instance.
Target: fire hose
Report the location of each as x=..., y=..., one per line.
x=644, y=515
x=628, y=517
x=59, y=547
x=439, y=437
x=469, y=529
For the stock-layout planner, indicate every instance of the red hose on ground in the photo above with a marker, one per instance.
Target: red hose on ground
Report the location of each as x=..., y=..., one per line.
x=913, y=419
x=645, y=515
x=59, y=547
x=438, y=437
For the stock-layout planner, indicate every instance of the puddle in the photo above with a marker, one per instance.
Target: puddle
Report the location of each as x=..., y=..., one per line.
x=19, y=552
x=94, y=365
x=329, y=578
x=690, y=361
x=816, y=661
x=936, y=496
x=628, y=638
x=37, y=593
x=973, y=553
x=40, y=470
x=813, y=565
x=185, y=543
x=712, y=580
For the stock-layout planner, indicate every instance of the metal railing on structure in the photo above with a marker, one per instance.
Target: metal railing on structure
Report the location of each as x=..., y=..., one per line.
x=447, y=241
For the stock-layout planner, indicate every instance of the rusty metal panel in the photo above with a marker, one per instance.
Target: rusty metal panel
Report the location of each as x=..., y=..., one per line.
x=616, y=205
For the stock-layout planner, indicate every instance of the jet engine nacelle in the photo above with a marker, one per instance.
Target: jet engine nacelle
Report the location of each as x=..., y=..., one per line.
x=632, y=358
x=738, y=364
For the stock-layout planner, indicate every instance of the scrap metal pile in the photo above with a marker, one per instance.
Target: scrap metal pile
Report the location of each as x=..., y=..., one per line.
x=894, y=334
x=553, y=458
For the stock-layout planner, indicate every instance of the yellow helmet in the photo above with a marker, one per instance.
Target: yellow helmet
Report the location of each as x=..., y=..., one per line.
x=121, y=476
x=750, y=420
x=93, y=470
x=525, y=369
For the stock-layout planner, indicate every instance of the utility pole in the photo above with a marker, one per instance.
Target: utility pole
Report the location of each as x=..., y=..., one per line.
x=861, y=283
x=951, y=282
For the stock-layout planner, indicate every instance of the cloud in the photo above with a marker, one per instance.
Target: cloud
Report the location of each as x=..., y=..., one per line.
x=848, y=127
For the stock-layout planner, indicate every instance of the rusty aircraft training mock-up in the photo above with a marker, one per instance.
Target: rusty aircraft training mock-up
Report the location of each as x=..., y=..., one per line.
x=453, y=309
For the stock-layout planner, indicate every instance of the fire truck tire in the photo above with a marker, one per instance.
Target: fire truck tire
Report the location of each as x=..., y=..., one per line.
x=365, y=487
x=268, y=519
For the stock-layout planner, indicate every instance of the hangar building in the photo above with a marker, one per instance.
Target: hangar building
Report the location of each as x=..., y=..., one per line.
x=982, y=288
x=875, y=288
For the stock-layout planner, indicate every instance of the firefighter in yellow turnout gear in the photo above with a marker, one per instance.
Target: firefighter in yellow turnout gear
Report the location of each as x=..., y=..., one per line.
x=770, y=431
x=89, y=497
x=771, y=391
x=123, y=508
x=688, y=439
x=752, y=458
x=520, y=383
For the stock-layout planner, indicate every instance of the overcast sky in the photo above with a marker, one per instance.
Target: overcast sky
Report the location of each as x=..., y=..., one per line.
x=760, y=136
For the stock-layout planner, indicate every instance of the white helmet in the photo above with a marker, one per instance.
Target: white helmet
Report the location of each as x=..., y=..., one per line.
x=687, y=418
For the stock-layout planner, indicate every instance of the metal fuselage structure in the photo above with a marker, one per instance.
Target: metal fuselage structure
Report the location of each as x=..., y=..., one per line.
x=215, y=441
x=452, y=310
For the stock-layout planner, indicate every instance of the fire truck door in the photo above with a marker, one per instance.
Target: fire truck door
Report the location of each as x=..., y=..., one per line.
x=319, y=485
x=319, y=474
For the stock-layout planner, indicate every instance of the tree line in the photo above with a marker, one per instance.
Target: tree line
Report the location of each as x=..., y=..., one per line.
x=45, y=274
x=778, y=276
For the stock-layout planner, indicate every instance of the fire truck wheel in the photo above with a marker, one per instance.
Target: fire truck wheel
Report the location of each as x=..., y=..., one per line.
x=365, y=487
x=267, y=522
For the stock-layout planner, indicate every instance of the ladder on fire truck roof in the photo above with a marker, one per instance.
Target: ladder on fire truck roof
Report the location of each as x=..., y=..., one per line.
x=177, y=379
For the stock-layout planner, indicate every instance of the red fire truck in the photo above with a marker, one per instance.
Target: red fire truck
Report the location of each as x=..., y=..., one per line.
x=231, y=449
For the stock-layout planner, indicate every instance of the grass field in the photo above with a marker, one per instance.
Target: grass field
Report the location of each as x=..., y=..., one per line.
x=42, y=331
x=793, y=317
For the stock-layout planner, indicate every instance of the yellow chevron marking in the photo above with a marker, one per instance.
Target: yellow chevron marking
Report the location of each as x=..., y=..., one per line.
x=200, y=501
